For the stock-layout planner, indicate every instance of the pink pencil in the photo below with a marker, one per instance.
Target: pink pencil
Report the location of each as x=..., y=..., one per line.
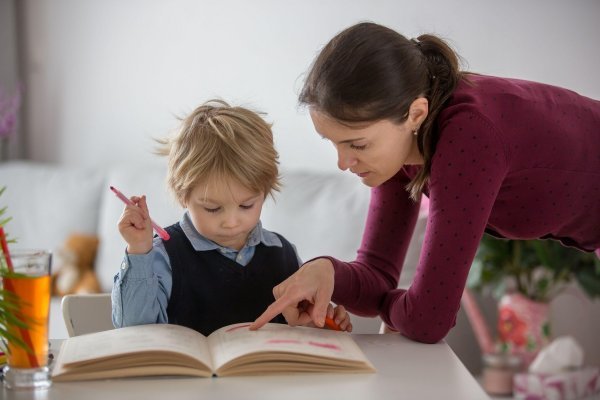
x=164, y=235
x=484, y=338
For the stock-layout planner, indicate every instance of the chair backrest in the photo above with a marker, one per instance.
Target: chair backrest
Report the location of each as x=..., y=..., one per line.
x=87, y=313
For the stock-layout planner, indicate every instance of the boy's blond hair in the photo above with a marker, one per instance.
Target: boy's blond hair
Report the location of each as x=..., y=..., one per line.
x=219, y=142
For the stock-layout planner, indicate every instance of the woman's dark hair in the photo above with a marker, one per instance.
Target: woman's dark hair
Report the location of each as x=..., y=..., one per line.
x=369, y=72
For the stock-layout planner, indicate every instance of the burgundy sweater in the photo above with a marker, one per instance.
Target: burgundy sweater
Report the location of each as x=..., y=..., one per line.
x=517, y=159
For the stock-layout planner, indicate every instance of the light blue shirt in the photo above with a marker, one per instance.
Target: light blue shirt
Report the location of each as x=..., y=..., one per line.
x=142, y=287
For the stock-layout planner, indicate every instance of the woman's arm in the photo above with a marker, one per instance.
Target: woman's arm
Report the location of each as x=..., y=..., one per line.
x=468, y=170
x=361, y=285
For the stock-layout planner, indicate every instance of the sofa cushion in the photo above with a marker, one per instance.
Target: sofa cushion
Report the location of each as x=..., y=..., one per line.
x=320, y=213
x=48, y=203
x=324, y=213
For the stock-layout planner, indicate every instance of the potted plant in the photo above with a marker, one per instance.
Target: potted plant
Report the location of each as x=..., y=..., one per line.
x=8, y=302
x=525, y=275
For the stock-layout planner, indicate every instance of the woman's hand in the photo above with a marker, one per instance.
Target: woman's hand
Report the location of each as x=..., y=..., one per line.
x=303, y=297
x=339, y=316
x=136, y=227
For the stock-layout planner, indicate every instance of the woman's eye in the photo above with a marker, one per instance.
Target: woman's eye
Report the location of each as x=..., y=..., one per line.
x=246, y=207
x=212, y=210
x=356, y=147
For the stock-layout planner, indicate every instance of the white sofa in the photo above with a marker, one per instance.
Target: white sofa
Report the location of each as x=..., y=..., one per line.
x=49, y=202
x=321, y=213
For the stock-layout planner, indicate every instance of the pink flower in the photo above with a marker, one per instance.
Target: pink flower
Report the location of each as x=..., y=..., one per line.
x=511, y=328
x=9, y=107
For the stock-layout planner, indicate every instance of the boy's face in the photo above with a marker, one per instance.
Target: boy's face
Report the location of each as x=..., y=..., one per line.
x=225, y=212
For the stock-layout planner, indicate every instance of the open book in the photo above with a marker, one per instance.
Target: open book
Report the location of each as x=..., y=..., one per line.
x=164, y=349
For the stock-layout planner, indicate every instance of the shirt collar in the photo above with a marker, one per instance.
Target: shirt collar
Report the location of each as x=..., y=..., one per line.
x=201, y=243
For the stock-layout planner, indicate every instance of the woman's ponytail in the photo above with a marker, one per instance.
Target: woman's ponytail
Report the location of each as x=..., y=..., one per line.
x=444, y=74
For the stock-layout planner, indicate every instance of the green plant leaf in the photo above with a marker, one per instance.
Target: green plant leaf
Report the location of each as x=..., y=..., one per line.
x=589, y=280
x=542, y=252
x=501, y=265
x=474, y=279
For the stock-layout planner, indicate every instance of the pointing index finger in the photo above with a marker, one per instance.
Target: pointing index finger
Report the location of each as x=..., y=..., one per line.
x=271, y=312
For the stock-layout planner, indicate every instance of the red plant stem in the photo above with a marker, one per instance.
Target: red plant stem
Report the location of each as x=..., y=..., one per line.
x=8, y=285
x=5, y=249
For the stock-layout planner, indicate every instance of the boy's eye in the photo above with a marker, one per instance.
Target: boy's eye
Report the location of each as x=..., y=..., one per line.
x=212, y=210
x=358, y=147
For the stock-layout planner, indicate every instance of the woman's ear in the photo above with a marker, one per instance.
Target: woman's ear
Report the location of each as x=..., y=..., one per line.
x=418, y=110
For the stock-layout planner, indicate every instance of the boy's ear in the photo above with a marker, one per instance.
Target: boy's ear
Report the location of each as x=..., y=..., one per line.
x=183, y=200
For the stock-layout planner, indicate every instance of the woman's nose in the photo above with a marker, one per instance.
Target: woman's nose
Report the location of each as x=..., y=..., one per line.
x=346, y=160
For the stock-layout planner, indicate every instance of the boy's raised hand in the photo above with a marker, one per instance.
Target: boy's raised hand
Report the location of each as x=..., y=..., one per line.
x=136, y=227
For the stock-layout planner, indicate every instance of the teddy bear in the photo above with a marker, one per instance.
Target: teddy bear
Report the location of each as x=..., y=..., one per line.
x=73, y=266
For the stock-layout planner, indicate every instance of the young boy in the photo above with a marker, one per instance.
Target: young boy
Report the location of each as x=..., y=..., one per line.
x=220, y=266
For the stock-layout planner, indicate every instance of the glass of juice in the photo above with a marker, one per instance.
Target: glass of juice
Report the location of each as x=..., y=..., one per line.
x=28, y=288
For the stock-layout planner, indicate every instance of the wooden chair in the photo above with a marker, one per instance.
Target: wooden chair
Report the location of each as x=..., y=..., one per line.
x=86, y=313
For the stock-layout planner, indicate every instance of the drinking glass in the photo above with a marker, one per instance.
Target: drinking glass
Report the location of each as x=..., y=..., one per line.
x=27, y=366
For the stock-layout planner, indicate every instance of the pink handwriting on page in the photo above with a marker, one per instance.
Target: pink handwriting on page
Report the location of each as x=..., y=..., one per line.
x=237, y=327
x=325, y=345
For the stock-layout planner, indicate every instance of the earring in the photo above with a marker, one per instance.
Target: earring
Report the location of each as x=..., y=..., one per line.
x=416, y=131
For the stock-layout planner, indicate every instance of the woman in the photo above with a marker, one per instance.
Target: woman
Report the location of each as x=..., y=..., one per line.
x=513, y=158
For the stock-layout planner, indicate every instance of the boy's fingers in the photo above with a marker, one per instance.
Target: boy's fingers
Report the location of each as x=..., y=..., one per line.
x=144, y=206
x=135, y=222
x=330, y=311
x=340, y=312
x=133, y=216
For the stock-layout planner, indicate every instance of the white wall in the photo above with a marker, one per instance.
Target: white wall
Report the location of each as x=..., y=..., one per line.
x=104, y=77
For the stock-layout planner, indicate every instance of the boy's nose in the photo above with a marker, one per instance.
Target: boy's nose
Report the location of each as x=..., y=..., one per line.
x=231, y=220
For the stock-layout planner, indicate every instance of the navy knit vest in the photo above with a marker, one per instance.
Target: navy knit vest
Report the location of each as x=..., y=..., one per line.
x=211, y=291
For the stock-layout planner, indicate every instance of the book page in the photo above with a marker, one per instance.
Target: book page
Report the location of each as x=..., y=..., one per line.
x=234, y=341
x=135, y=339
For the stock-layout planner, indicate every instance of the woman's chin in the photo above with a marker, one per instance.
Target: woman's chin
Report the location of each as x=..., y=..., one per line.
x=371, y=180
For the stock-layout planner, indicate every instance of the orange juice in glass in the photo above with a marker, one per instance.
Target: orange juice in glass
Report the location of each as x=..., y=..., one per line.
x=27, y=358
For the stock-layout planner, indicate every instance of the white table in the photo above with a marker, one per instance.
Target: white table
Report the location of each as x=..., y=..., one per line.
x=405, y=370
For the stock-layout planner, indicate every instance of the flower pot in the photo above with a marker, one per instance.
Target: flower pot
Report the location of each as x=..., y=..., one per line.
x=523, y=326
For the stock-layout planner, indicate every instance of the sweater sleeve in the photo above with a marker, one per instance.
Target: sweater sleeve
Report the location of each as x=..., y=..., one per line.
x=361, y=285
x=142, y=288
x=467, y=171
